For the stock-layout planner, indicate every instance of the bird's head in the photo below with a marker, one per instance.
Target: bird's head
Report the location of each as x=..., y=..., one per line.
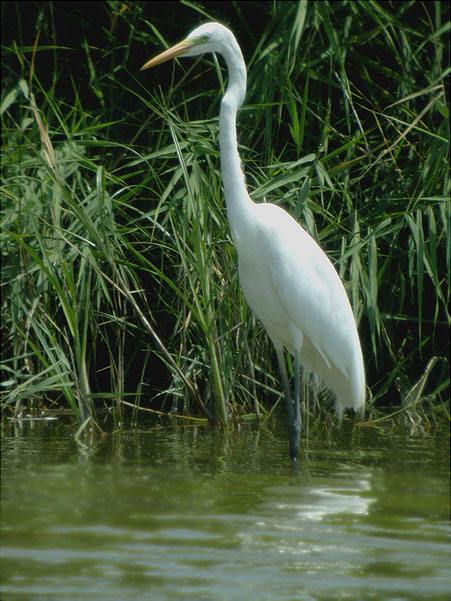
x=209, y=37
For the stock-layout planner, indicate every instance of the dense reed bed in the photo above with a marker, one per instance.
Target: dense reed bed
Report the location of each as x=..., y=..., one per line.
x=119, y=279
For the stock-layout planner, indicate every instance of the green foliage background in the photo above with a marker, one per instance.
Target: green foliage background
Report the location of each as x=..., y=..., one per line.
x=119, y=280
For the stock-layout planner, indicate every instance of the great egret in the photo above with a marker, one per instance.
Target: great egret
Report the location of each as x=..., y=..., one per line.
x=286, y=278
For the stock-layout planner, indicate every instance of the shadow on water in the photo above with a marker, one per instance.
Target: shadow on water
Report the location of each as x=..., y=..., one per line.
x=166, y=512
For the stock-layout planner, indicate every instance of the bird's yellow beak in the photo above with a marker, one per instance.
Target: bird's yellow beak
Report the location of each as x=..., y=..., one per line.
x=172, y=52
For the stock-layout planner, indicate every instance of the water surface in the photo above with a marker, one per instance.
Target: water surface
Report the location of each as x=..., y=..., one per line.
x=167, y=513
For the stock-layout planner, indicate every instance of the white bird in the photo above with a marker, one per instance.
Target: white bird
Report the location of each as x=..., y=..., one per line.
x=287, y=280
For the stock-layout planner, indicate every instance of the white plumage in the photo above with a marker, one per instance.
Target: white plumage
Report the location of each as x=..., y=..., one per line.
x=287, y=279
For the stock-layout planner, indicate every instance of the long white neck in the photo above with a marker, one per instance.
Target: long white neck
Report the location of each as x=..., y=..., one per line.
x=237, y=199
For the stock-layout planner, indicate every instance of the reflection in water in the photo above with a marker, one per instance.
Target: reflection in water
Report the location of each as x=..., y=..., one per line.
x=185, y=514
x=327, y=498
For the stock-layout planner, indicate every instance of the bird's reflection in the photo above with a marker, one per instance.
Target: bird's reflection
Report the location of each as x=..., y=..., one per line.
x=319, y=498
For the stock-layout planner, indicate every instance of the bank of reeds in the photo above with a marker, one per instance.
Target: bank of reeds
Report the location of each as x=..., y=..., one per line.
x=119, y=280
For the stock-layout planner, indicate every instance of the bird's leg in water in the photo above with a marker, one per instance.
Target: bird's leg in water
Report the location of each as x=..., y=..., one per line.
x=293, y=415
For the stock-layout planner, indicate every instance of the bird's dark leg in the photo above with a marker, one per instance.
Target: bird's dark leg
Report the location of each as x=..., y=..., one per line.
x=297, y=399
x=293, y=418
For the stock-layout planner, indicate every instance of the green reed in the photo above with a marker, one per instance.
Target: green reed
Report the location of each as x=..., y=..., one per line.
x=119, y=275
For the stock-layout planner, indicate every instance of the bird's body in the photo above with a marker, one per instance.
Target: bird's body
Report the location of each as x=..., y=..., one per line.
x=312, y=315
x=287, y=279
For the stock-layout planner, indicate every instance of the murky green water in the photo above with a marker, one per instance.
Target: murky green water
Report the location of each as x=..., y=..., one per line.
x=183, y=513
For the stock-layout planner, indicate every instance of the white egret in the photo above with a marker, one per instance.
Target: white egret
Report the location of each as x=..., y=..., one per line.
x=286, y=278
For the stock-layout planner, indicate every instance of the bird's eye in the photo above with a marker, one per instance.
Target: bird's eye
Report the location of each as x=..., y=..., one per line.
x=205, y=38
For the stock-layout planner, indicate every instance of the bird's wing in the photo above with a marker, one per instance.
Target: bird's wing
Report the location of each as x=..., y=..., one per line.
x=309, y=288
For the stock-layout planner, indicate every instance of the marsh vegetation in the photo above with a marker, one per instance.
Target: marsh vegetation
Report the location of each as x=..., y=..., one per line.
x=119, y=279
